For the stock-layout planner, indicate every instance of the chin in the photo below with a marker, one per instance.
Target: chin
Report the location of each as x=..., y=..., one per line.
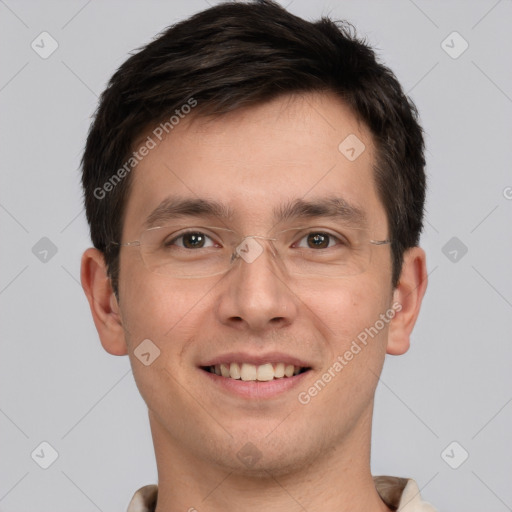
x=263, y=458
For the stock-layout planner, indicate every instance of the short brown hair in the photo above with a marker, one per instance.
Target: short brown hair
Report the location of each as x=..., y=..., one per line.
x=239, y=54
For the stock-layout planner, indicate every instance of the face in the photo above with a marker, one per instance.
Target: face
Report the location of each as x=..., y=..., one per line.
x=255, y=163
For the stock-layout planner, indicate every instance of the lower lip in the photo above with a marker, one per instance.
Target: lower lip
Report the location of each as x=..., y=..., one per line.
x=256, y=389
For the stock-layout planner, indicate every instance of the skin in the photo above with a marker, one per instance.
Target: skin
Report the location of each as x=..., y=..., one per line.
x=312, y=457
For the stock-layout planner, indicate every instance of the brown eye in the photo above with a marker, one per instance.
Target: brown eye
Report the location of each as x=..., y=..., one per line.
x=193, y=240
x=321, y=240
x=318, y=240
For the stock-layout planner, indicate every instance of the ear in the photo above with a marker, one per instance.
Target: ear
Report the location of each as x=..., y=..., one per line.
x=407, y=298
x=103, y=302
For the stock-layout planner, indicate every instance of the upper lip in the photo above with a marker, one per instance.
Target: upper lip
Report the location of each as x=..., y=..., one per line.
x=256, y=359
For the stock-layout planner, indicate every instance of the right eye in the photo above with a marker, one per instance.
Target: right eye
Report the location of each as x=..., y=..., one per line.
x=190, y=240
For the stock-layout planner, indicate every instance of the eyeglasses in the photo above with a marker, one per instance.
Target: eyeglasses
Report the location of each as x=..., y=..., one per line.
x=192, y=252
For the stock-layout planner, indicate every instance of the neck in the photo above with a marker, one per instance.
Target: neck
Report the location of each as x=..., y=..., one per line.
x=338, y=478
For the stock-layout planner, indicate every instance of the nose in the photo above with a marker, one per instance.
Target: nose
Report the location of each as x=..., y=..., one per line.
x=255, y=294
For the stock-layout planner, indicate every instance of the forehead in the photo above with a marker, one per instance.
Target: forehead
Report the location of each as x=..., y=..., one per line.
x=259, y=159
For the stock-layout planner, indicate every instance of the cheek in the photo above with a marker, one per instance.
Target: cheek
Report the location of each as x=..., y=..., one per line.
x=343, y=308
x=156, y=318
x=152, y=304
x=346, y=384
x=349, y=317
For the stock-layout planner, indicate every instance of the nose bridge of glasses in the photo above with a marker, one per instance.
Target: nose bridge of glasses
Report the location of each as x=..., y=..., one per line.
x=249, y=249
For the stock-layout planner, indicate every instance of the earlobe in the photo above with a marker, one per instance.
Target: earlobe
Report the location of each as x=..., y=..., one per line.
x=407, y=299
x=102, y=301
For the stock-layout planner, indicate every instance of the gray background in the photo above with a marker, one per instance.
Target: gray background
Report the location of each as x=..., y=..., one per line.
x=58, y=385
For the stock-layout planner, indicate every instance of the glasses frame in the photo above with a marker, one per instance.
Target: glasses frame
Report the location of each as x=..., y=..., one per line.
x=235, y=255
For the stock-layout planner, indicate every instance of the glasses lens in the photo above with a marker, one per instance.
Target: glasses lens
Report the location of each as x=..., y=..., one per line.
x=325, y=252
x=182, y=251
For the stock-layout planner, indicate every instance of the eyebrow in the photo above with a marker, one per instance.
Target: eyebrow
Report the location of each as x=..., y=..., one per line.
x=331, y=207
x=175, y=207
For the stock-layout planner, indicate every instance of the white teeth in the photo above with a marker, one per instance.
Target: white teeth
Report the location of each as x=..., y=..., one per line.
x=265, y=372
x=251, y=372
x=234, y=371
x=224, y=370
x=248, y=372
x=279, y=370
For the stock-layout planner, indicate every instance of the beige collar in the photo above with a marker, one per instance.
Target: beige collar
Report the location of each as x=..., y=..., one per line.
x=400, y=494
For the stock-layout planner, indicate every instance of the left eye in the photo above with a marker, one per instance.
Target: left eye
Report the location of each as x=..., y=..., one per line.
x=318, y=240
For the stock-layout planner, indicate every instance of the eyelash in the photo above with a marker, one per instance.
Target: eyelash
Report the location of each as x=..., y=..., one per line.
x=191, y=232
x=316, y=232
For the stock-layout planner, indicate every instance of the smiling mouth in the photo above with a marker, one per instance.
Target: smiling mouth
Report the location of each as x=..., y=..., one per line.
x=251, y=372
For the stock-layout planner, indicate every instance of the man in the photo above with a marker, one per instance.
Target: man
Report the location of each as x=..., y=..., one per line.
x=254, y=185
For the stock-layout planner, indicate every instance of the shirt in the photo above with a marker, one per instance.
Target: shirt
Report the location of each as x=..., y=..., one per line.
x=400, y=494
